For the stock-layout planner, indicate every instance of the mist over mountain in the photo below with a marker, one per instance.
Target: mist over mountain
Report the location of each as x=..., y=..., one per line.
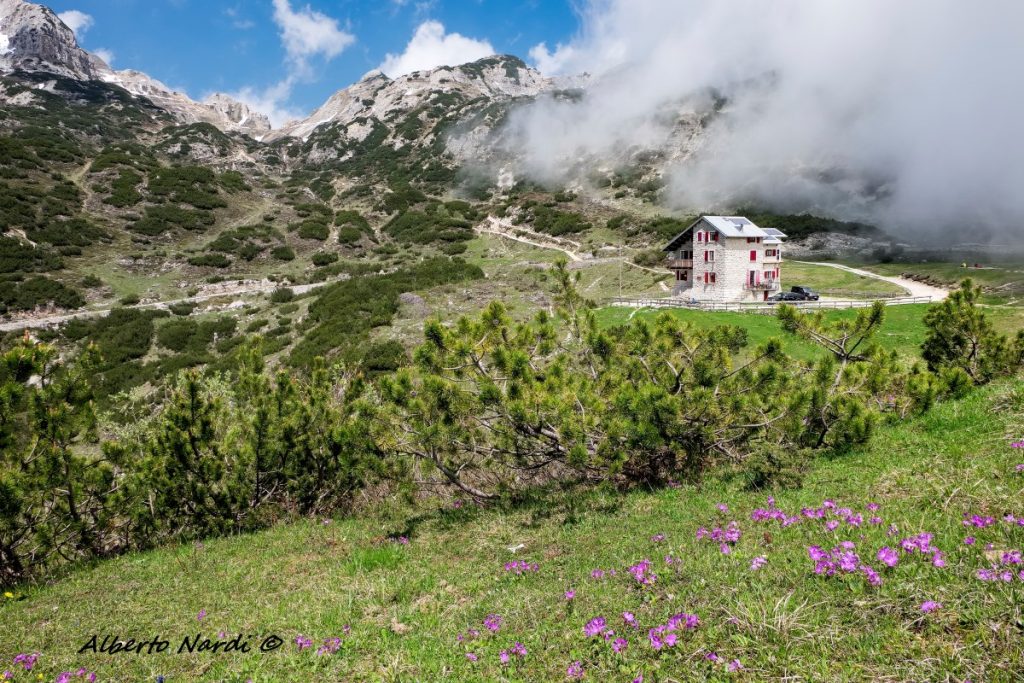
x=902, y=113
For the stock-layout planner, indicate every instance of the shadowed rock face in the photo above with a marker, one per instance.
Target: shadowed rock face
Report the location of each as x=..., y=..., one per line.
x=35, y=39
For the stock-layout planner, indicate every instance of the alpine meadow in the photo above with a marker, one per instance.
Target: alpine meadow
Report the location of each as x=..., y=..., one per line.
x=688, y=345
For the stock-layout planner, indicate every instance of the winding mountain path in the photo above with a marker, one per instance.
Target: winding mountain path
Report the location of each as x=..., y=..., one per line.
x=496, y=226
x=913, y=286
x=262, y=287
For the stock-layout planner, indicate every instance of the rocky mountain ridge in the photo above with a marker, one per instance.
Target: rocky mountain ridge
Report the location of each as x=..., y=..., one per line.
x=377, y=96
x=34, y=39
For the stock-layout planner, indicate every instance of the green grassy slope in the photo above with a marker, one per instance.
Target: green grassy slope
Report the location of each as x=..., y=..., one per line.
x=406, y=604
x=835, y=282
x=903, y=329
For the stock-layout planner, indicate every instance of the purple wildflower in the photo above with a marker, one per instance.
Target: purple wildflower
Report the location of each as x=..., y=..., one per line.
x=888, y=557
x=471, y=657
x=330, y=646
x=493, y=623
x=570, y=594
x=26, y=660
x=758, y=562
x=594, y=627
x=575, y=670
x=619, y=644
x=929, y=606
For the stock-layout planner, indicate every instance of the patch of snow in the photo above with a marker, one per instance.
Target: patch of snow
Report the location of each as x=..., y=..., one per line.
x=5, y=44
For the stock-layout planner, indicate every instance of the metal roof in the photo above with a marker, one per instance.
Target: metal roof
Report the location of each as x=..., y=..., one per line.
x=730, y=226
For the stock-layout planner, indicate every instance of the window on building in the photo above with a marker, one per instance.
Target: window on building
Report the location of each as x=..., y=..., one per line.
x=750, y=240
x=753, y=254
x=712, y=278
x=715, y=236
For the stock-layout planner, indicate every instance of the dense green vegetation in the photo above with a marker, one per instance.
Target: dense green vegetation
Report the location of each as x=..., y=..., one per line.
x=551, y=220
x=490, y=408
x=343, y=314
x=446, y=224
x=27, y=294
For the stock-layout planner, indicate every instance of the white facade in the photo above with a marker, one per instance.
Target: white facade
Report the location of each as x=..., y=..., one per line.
x=726, y=259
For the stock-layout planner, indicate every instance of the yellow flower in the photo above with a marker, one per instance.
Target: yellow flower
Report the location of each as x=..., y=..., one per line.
x=9, y=595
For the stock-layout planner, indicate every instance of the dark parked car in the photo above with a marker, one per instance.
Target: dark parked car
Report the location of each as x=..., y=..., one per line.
x=785, y=296
x=806, y=293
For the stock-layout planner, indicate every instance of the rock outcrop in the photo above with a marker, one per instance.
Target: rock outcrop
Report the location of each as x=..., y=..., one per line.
x=33, y=38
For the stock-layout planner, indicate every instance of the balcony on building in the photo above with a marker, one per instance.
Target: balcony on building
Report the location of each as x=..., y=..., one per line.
x=766, y=285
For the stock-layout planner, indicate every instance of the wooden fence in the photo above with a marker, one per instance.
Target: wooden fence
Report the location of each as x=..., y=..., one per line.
x=758, y=308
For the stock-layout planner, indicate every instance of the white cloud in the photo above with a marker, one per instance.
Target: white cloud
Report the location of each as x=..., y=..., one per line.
x=307, y=33
x=431, y=47
x=105, y=54
x=553, y=63
x=905, y=113
x=79, y=22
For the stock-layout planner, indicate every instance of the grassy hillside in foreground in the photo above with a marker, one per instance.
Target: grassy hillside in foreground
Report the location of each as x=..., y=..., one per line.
x=399, y=608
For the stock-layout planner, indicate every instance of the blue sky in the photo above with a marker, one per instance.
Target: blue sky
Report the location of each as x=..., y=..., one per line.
x=293, y=54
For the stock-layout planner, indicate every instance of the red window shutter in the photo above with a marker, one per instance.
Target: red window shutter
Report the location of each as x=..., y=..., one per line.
x=705, y=257
x=753, y=254
x=716, y=236
x=713, y=278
